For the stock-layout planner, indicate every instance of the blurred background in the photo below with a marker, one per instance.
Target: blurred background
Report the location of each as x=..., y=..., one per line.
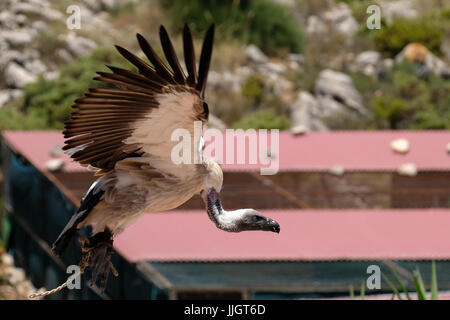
x=373, y=105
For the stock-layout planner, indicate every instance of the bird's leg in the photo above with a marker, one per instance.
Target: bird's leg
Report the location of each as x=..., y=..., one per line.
x=97, y=251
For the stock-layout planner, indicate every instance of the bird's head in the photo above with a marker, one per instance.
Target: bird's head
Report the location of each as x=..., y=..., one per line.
x=236, y=220
x=250, y=219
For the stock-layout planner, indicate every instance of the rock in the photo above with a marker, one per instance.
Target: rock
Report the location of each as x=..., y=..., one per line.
x=94, y=5
x=255, y=55
x=16, y=76
x=297, y=57
x=304, y=114
x=407, y=169
x=328, y=107
x=226, y=81
x=278, y=68
x=4, y=97
x=38, y=8
x=315, y=26
x=14, y=275
x=53, y=165
x=368, y=62
x=21, y=20
x=36, y=67
x=56, y=151
x=64, y=55
x=11, y=56
x=424, y=59
x=339, y=87
x=342, y=20
x=299, y=130
x=7, y=20
x=8, y=95
x=78, y=45
x=400, y=145
x=337, y=170
x=7, y=260
x=399, y=8
x=18, y=37
x=281, y=86
x=109, y=4
x=39, y=26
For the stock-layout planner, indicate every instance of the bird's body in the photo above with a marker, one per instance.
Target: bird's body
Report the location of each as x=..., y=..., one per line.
x=125, y=135
x=131, y=191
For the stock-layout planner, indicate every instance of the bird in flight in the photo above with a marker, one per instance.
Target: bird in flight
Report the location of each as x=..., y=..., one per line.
x=124, y=133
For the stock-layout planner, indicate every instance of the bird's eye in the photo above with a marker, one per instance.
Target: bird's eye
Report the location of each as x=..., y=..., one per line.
x=206, y=109
x=257, y=218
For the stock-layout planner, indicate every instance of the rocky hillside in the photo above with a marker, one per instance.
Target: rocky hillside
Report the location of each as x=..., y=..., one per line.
x=326, y=70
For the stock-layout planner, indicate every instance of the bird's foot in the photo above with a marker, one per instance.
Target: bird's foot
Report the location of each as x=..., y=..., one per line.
x=97, y=251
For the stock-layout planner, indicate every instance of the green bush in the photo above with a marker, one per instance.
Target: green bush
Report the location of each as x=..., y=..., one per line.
x=388, y=110
x=402, y=100
x=393, y=38
x=261, y=22
x=263, y=119
x=253, y=89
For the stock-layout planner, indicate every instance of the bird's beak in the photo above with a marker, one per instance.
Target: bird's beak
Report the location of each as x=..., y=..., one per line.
x=273, y=226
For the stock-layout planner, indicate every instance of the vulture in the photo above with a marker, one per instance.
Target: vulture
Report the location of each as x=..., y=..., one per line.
x=124, y=133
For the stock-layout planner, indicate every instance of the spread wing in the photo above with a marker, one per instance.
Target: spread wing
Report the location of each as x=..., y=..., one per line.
x=137, y=118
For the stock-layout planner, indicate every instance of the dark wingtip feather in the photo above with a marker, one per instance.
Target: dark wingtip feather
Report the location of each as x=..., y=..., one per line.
x=189, y=55
x=171, y=56
x=160, y=68
x=205, y=60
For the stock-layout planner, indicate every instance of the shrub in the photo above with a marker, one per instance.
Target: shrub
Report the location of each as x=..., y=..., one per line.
x=262, y=22
x=393, y=38
x=388, y=109
x=253, y=89
x=263, y=119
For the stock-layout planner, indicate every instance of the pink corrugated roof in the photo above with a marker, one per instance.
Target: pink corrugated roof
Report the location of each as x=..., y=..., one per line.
x=305, y=235
x=315, y=151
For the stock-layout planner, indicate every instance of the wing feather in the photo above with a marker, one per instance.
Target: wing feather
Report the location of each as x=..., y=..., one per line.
x=138, y=116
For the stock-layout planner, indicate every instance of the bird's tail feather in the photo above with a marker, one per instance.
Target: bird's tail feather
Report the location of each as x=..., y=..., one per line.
x=87, y=204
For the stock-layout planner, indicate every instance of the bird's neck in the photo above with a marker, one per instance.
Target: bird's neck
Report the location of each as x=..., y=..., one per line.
x=222, y=219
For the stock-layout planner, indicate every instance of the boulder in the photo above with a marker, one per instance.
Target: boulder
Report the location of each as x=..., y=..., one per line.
x=368, y=62
x=11, y=56
x=304, y=114
x=16, y=76
x=342, y=20
x=255, y=55
x=18, y=37
x=78, y=45
x=225, y=81
x=40, y=8
x=399, y=9
x=35, y=66
x=424, y=59
x=339, y=87
x=7, y=20
x=8, y=95
x=315, y=26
